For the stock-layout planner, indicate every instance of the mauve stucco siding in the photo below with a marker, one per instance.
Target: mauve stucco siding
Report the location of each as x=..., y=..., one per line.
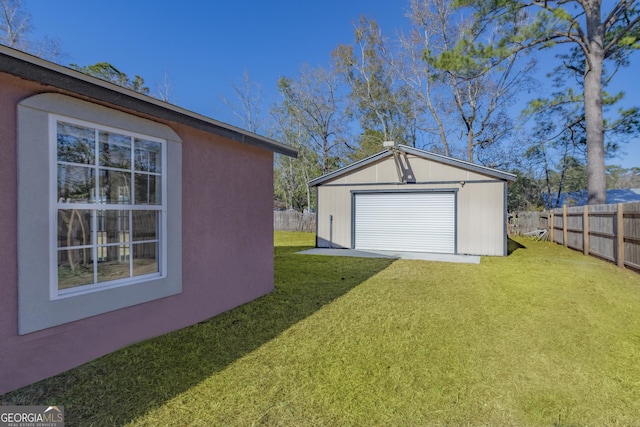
x=10, y=94
x=227, y=223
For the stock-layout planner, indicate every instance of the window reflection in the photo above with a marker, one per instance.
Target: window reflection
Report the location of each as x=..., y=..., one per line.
x=115, y=187
x=145, y=225
x=76, y=144
x=147, y=189
x=115, y=150
x=145, y=258
x=75, y=268
x=116, y=241
x=148, y=156
x=112, y=226
x=74, y=228
x=115, y=264
x=76, y=184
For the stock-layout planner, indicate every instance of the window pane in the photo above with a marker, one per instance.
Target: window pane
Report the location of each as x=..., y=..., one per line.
x=113, y=227
x=115, y=187
x=114, y=264
x=75, y=268
x=76, y=184
x=147, y=189
x=115, y=150
x=145, y=258
x=76, y=144
x=74, y=227
x=96, y=166
x=145, y=225
x=148, y=156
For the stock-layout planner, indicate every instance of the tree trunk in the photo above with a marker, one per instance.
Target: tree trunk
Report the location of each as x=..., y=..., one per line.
x=596, y=178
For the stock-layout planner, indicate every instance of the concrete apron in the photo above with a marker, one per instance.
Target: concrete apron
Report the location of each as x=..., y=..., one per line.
x=422, y=256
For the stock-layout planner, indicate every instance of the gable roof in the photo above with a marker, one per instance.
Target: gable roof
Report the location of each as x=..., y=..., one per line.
x=505, y=176
x=29, y=67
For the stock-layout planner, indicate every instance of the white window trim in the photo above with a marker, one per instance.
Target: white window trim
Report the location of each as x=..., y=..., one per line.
x=55, y=292
x=37, y=309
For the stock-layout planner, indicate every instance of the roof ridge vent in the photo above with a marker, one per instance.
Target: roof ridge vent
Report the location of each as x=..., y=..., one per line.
x=389, y=144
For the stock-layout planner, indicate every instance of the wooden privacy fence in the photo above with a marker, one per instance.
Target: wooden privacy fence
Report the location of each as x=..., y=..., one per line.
x=521, y=223
x=610, y=232
x=294, y=221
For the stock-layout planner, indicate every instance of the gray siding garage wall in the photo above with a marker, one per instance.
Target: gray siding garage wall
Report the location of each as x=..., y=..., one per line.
x=480, y=222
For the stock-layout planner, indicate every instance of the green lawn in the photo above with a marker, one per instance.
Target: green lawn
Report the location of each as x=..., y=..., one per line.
x=545, y=336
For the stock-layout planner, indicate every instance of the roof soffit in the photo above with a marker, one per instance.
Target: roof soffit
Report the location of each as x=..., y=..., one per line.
x=38, y=70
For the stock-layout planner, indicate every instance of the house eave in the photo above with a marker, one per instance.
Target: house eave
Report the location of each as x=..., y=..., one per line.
x=31, y=68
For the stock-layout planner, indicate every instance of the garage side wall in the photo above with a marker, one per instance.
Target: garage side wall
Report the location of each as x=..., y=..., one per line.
x=480, y=202
x=481, y=219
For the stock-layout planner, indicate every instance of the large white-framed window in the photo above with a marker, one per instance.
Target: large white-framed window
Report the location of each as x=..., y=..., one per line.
x=109, y=206
x=99, y=210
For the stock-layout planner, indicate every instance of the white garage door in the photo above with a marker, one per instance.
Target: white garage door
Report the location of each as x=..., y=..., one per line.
x=415, y=222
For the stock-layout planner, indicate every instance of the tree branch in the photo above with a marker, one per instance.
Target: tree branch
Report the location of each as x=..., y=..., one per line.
x=610, y=48
x=622, y=6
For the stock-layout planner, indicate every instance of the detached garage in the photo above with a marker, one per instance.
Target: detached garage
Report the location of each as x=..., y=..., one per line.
x=406, y=199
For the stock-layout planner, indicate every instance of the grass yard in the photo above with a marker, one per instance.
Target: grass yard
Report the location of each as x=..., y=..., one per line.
x=545, y=336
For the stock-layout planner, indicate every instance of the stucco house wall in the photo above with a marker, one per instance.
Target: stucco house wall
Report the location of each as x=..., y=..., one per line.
x=226, y=240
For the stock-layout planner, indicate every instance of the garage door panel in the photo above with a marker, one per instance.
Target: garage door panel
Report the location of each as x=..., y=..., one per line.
x=423, y=222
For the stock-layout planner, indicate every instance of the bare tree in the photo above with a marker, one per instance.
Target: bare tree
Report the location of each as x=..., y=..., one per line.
x=15, y=27
x=165, y=88
x=379, y=99
x=15, y=24
x=458, y=86
x=310, y=117
x=248, y=103
x=430, y=31
x=313, y=102
x=292, y=175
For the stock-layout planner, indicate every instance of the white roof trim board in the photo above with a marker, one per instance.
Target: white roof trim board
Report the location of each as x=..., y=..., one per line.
x=494, y=173
x=32, y=68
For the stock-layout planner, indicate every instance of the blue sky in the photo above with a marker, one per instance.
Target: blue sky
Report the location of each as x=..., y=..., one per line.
x=205, y=46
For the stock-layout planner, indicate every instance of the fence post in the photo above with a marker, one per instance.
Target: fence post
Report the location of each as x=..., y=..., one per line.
x=565, y=232
x=620, y=234
x=552, y=226
x=585, y=230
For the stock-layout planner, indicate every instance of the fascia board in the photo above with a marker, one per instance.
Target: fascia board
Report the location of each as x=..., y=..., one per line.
x=32, y=68
x=458, y=163
x=349, y=168
x=419, y=153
